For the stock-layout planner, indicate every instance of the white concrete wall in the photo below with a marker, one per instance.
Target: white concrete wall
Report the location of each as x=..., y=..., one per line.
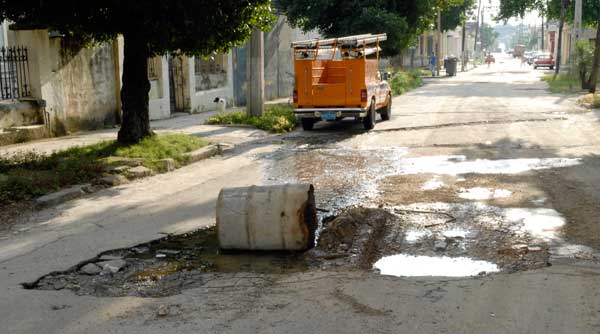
x=160, y=108
x=3, y=35
x=202, y=101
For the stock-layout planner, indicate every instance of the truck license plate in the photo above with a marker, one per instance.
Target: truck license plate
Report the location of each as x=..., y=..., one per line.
x=328, y=116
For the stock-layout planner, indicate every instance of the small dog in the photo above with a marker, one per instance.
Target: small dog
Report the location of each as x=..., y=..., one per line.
x=221, y=104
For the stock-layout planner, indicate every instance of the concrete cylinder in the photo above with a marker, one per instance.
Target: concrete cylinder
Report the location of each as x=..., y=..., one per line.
x=267, y=218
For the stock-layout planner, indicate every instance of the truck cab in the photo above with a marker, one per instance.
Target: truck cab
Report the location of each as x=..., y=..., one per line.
x=339, y=78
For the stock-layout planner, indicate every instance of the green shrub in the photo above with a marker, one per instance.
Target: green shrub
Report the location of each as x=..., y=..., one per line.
x=277, y=119
x=584, y=58
x=401, y=81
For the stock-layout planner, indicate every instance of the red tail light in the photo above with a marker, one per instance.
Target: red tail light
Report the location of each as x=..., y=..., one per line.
x=363, y=95
x=295, y=96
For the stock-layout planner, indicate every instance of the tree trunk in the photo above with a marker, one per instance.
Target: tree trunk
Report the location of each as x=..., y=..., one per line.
x=134, y=94
x=591, y=84
x=563, y=5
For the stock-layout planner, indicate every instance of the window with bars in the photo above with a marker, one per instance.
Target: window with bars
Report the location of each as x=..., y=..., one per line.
x=211, y=72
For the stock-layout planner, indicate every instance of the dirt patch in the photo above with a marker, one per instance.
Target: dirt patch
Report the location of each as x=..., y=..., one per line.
x=407, y=189
x=14, y=213
x=358, y=234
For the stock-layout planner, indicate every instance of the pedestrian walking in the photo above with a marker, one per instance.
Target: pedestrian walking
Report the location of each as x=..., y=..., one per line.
x=432, y=64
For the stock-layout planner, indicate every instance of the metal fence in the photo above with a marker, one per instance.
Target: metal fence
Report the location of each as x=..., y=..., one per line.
x=14, y=73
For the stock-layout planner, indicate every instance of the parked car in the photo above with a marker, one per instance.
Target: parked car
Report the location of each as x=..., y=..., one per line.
x=544, y=60
x=338, y=78
x=530, y=57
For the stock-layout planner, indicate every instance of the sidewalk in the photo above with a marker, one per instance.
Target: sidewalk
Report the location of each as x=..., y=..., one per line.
x=186, y=124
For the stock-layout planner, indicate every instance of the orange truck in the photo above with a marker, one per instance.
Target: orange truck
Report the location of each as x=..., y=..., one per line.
x=339, y=78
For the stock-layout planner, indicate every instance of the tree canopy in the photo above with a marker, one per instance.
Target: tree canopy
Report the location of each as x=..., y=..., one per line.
x=190, y=26
x=402, y=20
x=455, y=15
x=551, y=8
x=488, y=37
x=150, y=27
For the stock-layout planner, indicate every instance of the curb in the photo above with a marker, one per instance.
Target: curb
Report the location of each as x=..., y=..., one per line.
x=78, y=191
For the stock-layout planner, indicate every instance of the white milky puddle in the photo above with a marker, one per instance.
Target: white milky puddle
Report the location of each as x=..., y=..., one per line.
x=410, y=266
x=570, y=250
x=539, y=223
x=433, y=184
x=458, y=164
x=539, y=201
x=484, y=193
x=414, y=236
x=456, y=233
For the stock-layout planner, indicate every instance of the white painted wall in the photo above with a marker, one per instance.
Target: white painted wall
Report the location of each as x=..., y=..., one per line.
x=204, y=100
x=3, y=36
x=161, y=108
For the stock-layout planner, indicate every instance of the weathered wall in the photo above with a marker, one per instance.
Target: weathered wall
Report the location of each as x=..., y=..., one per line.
x=19, y=113
x=82, y=92
x=202, y=101
x=279, y=62
x=78, y=84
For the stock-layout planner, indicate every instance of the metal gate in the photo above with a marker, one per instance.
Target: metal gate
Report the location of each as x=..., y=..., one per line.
x=14, y=73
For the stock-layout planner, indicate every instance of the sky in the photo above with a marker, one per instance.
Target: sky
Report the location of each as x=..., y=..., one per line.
x=492, y=8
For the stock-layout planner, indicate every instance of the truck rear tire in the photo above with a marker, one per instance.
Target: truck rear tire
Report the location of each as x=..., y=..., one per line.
x=386, y=113
x=370, y=120
x=308, y=124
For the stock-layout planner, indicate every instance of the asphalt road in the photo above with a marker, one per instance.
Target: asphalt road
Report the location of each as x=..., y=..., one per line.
x=449, y=130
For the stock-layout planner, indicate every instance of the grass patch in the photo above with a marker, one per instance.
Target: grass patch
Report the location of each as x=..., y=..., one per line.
x=156, y=148
x=276, y=119
x=563, y=83
x=28, y=175
x=401, y=82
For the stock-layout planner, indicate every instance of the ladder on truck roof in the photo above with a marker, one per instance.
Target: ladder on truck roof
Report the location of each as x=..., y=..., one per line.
x=344, y=42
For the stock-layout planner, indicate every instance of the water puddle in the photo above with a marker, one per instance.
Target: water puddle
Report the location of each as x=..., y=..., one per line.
x=433, y=184
x=456, y=165
x=479, y=193
x=342, y=176
x=415, y=266
x=543, y=224
x=414, y=236
x=456, y=233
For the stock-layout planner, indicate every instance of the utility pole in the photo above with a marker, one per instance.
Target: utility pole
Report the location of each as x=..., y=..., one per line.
x=482, y=26
x=543, y=36
x=256, y=74
x=477, y=27
x=439, y=41
x=577, y=20
x=464, y=40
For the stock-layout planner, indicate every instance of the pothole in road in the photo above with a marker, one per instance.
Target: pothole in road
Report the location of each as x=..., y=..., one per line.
x=418, y=240
x=483, y=231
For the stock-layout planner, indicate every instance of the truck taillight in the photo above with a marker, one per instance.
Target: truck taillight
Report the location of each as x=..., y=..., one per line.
x=363, y=95
x=295, y=96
